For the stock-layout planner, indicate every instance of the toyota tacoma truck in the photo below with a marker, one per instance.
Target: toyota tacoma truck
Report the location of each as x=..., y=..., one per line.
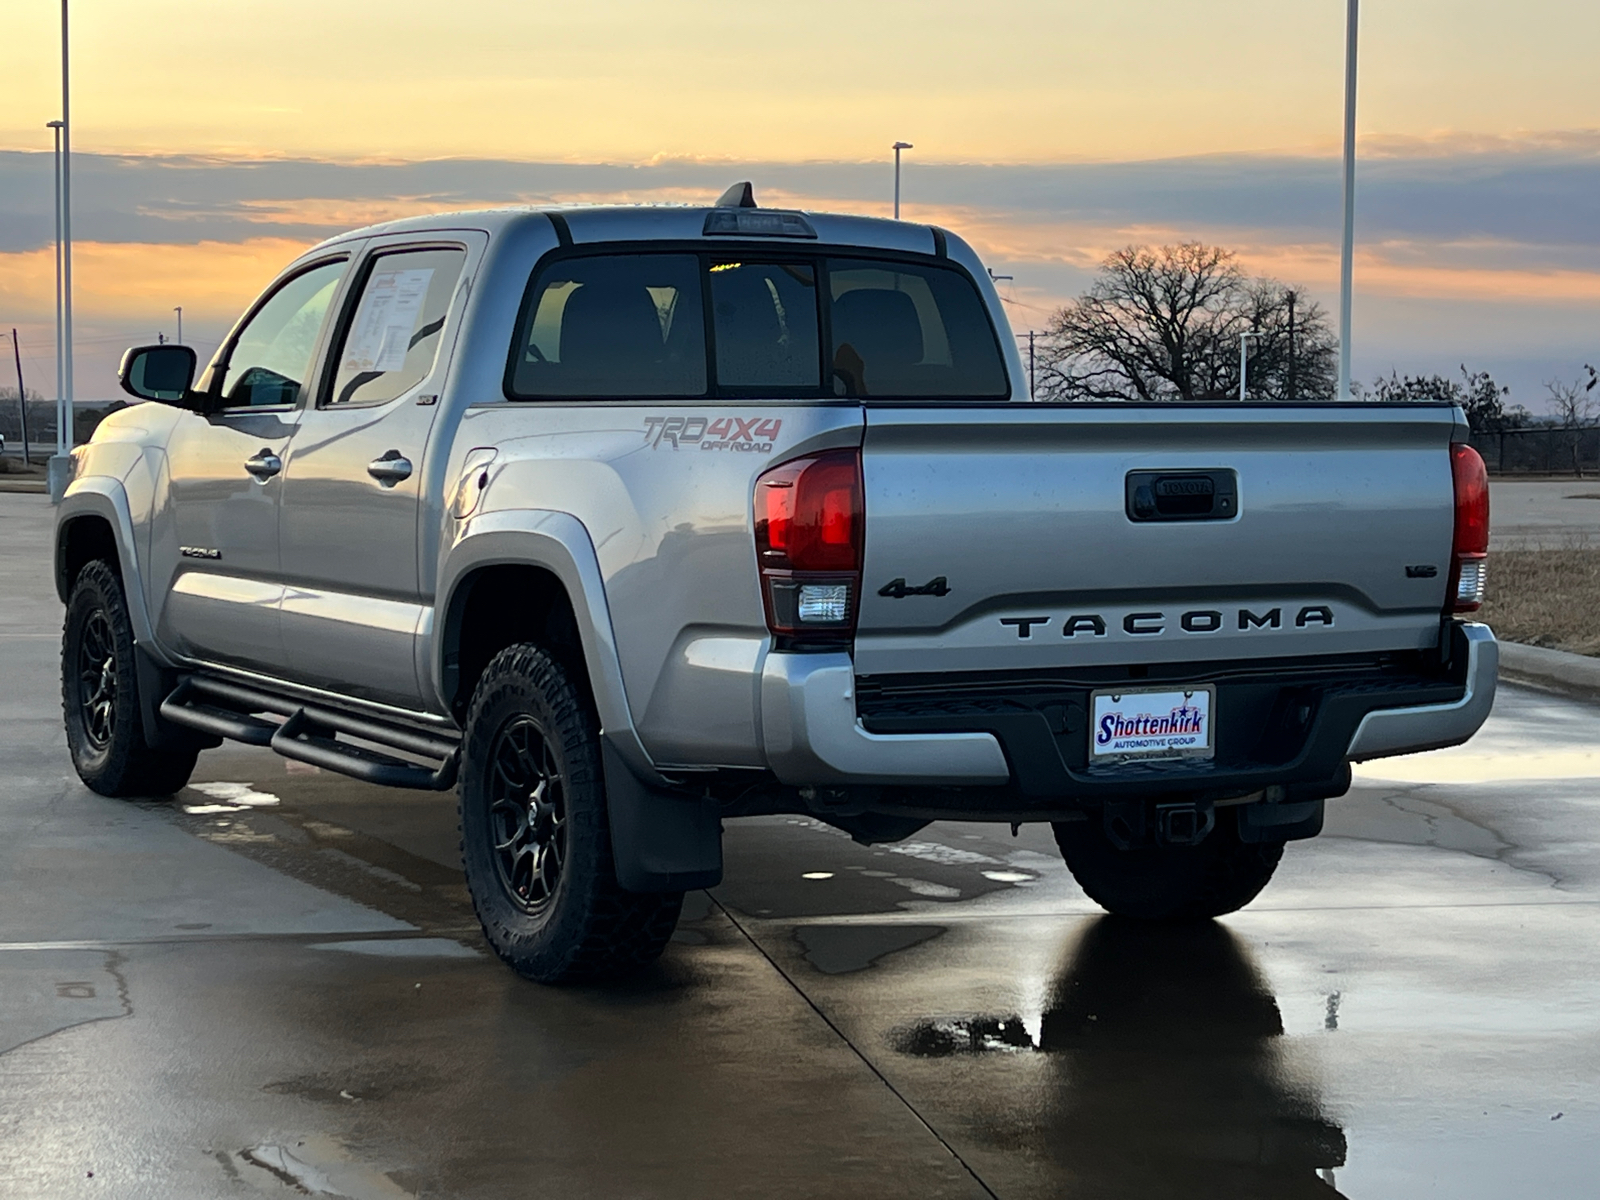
x=625, y=522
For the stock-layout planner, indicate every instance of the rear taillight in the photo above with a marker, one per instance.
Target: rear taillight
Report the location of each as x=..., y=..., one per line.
x=810, y=522
x=1469, y=554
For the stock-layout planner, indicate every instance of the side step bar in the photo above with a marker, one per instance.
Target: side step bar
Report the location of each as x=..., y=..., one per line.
x=180, y=709
x=309, y=734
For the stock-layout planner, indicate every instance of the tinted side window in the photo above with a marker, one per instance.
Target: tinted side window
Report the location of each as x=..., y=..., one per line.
x=907, y=331
x=271, y=356
x=394, y=337
x=764, y=319
x=622, y=325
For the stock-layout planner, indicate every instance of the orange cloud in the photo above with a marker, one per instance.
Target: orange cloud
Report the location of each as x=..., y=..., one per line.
x=135, y=280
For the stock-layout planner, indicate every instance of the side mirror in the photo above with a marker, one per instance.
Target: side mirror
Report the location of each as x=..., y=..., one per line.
x=160, y=373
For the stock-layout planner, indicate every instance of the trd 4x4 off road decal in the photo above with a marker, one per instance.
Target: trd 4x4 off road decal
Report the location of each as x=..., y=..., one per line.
x=750, y=435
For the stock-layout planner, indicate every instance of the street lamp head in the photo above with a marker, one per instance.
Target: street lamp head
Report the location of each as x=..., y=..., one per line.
x=55, y=124
x=902, y=146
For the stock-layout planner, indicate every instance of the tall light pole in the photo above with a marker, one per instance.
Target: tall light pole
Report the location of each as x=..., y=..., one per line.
x=898, y=146
x=61, y=353
x=1244, y=359
x=59, y=463
x=179, y=311
x=1347, y=250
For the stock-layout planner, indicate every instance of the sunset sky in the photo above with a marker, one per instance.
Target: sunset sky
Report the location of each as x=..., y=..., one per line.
x=214, y=141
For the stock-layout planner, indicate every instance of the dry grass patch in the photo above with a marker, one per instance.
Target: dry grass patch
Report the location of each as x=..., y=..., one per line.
x=15, y=468
x=1546, y=598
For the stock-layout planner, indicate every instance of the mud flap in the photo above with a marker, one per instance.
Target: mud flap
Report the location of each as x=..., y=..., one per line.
x=155, y=685
x=661, y=841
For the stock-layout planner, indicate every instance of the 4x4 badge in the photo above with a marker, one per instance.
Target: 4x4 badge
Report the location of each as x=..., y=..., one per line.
x=896, y=589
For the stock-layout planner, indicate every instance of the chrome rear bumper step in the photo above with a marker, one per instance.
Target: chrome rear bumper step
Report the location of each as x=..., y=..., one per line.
x=309, y=734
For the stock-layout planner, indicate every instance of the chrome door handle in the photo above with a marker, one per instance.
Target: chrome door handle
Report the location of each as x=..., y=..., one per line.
x=264, y=464
x=390, y=469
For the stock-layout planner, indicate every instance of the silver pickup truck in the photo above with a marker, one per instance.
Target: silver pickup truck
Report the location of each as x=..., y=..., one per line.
x=623, y=522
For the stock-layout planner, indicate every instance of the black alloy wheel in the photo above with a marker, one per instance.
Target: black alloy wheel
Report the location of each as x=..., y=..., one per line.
x=536, y=834
x=527, y=812
x=97, y=680
x=100, y=696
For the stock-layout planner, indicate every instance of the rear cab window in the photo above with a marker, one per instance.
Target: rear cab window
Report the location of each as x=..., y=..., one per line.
x=612, y=326
x=903, y=331
x=758, y=324
x=765, y=326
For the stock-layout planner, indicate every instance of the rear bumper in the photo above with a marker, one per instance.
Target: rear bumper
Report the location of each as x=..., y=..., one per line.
x=1389, y=731
x=817, y=731
x=811, y=734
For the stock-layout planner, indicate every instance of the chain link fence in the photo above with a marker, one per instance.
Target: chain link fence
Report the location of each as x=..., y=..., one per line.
x=1544, y=450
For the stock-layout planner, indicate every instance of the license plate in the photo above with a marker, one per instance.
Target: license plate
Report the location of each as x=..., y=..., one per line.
x=1152, y=723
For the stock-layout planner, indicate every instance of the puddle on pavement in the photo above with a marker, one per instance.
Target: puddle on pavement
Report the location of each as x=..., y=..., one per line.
x=338, y=859
x=945, y=856
x=229, y=797
x=370, y=1087
x=1158, y=1062
x=401, y=948
x=314, y=1165
x=841, y=949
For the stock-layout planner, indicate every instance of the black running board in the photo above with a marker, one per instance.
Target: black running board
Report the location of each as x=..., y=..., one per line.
x=181, y=709
x=309, y=734
x=298, y=738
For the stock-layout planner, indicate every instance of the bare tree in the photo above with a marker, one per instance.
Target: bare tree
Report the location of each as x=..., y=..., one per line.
x=1164, y=323
x=1573, y=406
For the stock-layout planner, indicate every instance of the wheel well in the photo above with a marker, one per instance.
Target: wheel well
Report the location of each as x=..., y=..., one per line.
x=499, y=606
x=82, y=541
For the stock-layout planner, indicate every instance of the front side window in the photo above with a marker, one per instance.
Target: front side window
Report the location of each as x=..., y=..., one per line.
x=904, y=331
x=393, y=339
x=764, y=323
x=271, y=356
x=617, y=326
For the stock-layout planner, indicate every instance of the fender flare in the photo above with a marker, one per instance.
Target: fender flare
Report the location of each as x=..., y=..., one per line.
x=559, y=543
x=104, y=497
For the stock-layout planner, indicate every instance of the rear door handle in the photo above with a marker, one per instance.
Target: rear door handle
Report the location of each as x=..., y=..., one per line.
x=263, y=464
x=390, y=469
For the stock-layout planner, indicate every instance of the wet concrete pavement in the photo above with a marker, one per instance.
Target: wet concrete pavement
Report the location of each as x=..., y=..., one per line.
x=273, y=985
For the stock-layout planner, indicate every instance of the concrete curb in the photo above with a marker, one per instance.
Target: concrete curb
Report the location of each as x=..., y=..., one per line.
x=34, y=486
x=1552, y=670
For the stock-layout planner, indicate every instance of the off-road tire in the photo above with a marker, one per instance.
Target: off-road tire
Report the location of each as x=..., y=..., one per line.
x=100, y=695
x=579, y=924
x=1168, y=883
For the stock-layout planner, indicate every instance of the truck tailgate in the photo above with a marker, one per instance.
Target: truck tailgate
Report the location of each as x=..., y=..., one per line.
x=1338, y=542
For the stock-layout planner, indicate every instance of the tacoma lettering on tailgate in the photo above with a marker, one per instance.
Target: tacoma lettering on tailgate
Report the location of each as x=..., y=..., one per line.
x=1208, y=620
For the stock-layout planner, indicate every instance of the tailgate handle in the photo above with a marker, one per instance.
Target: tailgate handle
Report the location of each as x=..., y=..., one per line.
x=1182, y=495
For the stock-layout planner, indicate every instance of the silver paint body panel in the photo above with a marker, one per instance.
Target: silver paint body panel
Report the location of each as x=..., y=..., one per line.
x=812, y=735
x=335, y=585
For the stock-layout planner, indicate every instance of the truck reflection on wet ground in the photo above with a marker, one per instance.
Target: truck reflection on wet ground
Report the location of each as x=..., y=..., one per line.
x=1164, y=1075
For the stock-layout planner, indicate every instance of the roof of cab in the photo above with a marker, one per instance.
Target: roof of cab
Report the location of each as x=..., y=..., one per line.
x=612, y=223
